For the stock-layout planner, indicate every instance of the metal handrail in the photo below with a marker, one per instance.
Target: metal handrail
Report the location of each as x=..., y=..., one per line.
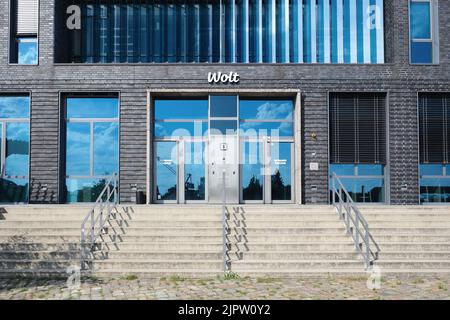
x=225, y=227
x=365, y=244
x=98, y=215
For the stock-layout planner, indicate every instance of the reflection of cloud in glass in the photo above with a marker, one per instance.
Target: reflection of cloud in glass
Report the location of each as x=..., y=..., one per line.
x=78, y=149
x=271, y=110
x=28, y=53
x=14, y=107
x=106, y=145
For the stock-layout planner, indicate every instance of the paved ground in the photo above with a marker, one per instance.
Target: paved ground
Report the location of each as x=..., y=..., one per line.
x=232, y=287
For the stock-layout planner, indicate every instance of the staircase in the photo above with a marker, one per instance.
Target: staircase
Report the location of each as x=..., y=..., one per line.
x=289, y=240
x=413, y=239
x=39, y=240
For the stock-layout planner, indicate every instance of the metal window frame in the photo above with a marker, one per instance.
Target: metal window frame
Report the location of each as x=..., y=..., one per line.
x=434, y=33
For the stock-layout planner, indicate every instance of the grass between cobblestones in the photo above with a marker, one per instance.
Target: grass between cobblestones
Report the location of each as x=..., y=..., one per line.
x=228, y=286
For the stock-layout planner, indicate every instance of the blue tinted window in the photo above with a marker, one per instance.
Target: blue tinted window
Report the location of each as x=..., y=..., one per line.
x=14, y=107
x=223, y=106
x=435, y=190
x=181, y=109
x=266, y=109
x=420, y=20
x=13, y=190
x=84, y=190
x=92, y=107
x=27, y=51
x=281, y=129
x=180, y=129
x=17, y=149
x=78, y=148
x=421, y=52
x=431, y=170
x=370, y=169
x=364, y=190
x=343, y=169
x=106, y=151
x=223, y=126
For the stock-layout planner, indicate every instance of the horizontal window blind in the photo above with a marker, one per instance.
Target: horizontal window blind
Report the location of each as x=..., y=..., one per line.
x=357, y=128
x=434, y=128
x=26, y=16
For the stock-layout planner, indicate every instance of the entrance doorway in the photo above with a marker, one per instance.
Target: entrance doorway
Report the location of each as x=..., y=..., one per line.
x=223, y=146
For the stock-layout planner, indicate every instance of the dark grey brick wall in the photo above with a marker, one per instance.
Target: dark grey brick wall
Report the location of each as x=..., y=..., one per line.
x=397, y=78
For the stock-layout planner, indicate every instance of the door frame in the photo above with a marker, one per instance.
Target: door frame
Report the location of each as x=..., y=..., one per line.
x=294, y=94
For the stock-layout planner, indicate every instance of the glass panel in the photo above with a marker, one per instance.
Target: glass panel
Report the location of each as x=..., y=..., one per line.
x=1, y=143
x=78, y=149
x=342, y=169
x=431, y=170
x=421, y=52
x=17, y=149
x=92, y=107
x=166, y=170
x=274, y=129
x=14, y=107
x=281, y=171
x=223, y=106
x=27, y=50
x=365, y=190
x=420, y=20
x=223, y=127
x=106, y=148
x=194, y=171
x=252, y=171
x=447, y=168
x=13, y=190
x=370, y=170
x=435, y=190
x=266, y=109
x=181, y=129
x=84, y=190
x=181, y=109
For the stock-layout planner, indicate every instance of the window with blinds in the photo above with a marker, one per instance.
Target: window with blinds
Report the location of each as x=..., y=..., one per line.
x=26, y=12
x=434, y=128
x=24, y=29
x=357, y=128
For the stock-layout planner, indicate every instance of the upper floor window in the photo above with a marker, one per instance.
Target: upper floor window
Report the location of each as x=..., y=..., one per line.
x=424, y=34
x=24, y=31
x=228, y=31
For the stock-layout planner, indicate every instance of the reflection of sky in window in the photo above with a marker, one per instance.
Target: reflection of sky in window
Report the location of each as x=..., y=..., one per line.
x=14, y=107
x=194, y=162
x=181, y=109
x=266, y=110
x=106, y=148
x=420, y=20
x=17, y=149
x=27, y=50
x=274, y=129
x=431, y=169
x=180, y=129
x=92, y=107
x=166, y=178
x=281, y=153
x=78, y=149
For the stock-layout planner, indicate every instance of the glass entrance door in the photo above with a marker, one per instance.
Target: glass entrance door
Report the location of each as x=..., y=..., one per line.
x=194, y=171
x=166, y=171
x=266, y=171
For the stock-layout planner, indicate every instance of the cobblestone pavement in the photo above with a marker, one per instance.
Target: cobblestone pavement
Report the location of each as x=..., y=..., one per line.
x=175, y=287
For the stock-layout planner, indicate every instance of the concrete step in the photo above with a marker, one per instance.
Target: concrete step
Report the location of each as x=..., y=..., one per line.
x=380, y=231
x=415, y=255
x=20, y=264
x=40, y=246
x=248, y=265
x=118, y=264
x=38, y=255
x=417, y=264
x=409, y=246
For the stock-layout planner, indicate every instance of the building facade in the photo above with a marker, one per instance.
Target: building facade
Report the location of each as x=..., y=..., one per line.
x=273, y=95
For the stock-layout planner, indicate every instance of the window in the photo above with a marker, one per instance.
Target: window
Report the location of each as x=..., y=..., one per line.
x=92, y=146
x=24, y=30
x=228, y=31
x=14, y=148
x=424, y=31
x=434, y=135
x=358, y=144
x=178, y=118
x=266, y=118
x=363, y=182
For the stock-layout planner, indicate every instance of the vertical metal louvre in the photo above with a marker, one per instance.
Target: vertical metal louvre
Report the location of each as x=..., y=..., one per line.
x=26, y=16
x=357, y=128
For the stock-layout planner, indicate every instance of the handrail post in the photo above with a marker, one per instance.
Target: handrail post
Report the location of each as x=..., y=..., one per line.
x=357, y=245
x=367, y=241
x=333, y=187
x=92, y=227
x=224, y=228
